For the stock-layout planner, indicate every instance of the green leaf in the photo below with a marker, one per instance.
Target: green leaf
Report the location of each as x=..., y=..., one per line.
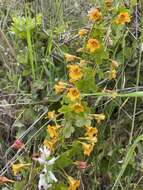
x=65, y=158
x=133, y=2
x=19, y=185
x=64, y=109
x=100, y=55
x=98, y=32
x=87, y=84
x=68, y=130
x=39, y=19
x=81, y=121
x=20, y=25
x=63, y=161
x=28, y=115
x=75, y=150
x=59, y=186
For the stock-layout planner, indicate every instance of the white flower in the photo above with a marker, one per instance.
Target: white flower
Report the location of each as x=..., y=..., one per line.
x=43, y=185
x=46, y=178
x=45, y=153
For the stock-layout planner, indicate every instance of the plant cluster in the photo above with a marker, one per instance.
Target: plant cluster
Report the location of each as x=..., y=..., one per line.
x=74, y=128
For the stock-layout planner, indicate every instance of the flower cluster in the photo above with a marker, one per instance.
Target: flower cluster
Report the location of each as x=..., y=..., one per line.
x=74, y=108
x=47, y=177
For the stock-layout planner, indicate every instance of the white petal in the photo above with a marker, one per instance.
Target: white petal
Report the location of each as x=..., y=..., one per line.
x=40, y=160
x=52, y=161
x=45, y=151
x=52, y=176
x=42, y=182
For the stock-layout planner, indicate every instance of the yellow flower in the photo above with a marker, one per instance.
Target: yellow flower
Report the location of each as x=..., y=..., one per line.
x=50, y=144
x=99, y=117
x=51, y=114
x=93, y=45
x=112, y=74
x=73, y=94
x=108, y=3
x=73, y=183
x=91, y=131
x=75, y=73
x=82, y=32
x=78, y=108
x=88, y=148
x=70, y=58
x=52, y=130
x=59, y=87
x=94, y=15
x=18, y=167
x=123, y=18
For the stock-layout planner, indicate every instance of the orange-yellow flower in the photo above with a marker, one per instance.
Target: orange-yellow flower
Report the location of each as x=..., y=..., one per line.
x=108, y=3
x=99, y=117
x=88, y=148
x=83, y=32
x=50, y=144
x=94, y=15
x=78, y=108
x=75, y=73
x=93, y=45
x=91, y=131
x=52, y=130
x=51, y=114
x=73, y=183
x=123, y=18
x=18, y=167
x=70, y=58
x=112, y=74
x=73, y=94
x=59, y=87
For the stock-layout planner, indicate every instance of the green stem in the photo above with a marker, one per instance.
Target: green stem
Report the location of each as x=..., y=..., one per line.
x=29, y=43
x=104, y=94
